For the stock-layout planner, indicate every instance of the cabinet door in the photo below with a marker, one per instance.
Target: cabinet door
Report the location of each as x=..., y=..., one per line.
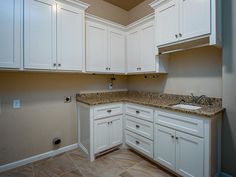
x=189, y=155
x=116, y=50
x=148, y=48
x=10, y=33
x=167, y=21
x=165, y=146
x=101, y=135
x=133, y=51
x=70, y=40
x=40, y=34
x=96, y=47
x=194, y=18
x=116, y=132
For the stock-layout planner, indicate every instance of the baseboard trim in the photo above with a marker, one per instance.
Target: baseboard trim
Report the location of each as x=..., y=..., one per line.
x=37, y=157
x=225, y=175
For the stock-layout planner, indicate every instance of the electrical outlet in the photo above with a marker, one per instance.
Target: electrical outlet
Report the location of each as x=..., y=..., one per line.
x=110, y=86
x=67, y=99
x=16, y=104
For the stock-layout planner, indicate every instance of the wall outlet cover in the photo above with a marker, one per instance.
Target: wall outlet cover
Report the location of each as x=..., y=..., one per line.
x=16, y=104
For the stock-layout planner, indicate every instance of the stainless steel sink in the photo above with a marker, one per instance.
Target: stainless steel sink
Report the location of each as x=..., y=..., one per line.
x=187, y=106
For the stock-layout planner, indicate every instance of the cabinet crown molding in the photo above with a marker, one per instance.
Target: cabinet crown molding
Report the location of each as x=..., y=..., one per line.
x=156, y=3
x=78, y=3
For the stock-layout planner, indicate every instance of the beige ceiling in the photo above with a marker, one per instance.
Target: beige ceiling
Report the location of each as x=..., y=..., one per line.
x=125, y=4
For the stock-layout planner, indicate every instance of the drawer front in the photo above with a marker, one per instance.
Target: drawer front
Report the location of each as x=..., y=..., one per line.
x=107, y=111
x=141, y=127
x=184, y=123
x=139, y=143
x=140, y=112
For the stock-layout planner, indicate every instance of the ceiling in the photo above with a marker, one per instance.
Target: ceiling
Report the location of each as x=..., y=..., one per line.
x=125, y=4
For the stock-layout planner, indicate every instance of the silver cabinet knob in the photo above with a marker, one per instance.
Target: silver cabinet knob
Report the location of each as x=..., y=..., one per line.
x=180, y=35
x=176, y=36
x=59, y=64
x=54, y=64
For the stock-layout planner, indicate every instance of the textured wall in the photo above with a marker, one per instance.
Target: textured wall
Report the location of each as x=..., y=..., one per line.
x=44, y=115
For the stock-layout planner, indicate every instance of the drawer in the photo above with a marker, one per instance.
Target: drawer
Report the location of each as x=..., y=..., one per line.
x=139, y=143
x=140, y=112
x=107, y=111
x=184, y=123
x=141, y=127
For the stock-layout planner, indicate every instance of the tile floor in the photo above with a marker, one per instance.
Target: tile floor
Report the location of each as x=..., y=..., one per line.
x=119, y=163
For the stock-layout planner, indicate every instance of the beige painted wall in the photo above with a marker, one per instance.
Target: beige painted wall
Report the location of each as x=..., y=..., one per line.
x=44, y=115
x=195, y=71
x=108, y=11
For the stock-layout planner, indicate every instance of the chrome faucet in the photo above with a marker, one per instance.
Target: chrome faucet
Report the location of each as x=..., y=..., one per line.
x=198, y=99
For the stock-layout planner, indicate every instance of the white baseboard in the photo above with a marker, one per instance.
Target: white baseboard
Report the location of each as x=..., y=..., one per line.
x=37, y=157
x=225, y=175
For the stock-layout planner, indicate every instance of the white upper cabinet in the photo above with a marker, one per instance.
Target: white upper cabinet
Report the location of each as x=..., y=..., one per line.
x=11, y=14
x=167, y=21
x=179, y=21
x=141, y=56
x=195, y=18
x=116, y=50
x=53, y=35
x=40, y=34
x=96, y=47
x=105, y=48
x=133, y=51
x=148, y=62
x=70, y=38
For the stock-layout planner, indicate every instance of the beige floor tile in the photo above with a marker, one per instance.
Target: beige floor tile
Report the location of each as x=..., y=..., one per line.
x=54, y=166
x=74, y=173
x=25, y=171
x=147, y=169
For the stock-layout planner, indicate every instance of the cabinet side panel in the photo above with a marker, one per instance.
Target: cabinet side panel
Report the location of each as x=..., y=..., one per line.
x=84, y=128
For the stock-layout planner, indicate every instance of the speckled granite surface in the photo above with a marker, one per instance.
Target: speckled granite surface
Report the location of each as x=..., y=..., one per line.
x=158, y=100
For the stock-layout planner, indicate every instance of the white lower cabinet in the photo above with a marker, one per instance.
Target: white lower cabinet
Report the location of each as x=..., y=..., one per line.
x=179, y=151
x=107, y=133
x=189, y=155
x=186, y=144
x=165, y=146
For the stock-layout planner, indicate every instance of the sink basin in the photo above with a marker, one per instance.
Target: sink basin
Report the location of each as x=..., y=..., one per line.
x=186, y=106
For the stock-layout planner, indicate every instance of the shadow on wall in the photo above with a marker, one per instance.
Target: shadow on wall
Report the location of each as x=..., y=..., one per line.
x=229, y=84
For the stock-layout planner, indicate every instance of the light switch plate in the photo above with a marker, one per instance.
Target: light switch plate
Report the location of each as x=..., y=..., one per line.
x=16, y=104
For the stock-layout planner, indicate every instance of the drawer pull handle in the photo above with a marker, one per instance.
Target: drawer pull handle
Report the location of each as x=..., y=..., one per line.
x=137, y=112
x=109, y=111
x=137, y=126
x=137, y=142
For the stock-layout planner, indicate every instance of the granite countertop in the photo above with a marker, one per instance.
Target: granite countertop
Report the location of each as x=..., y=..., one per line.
x=158, y=100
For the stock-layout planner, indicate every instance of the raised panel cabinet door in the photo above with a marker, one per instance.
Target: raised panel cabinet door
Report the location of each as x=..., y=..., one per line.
x=70, y=38
x=148, y=48
x=116, y=50
x=133, y=51
x=101, y=135
x=189, y=155
x=96, y=47
x=164, y=147
x=116, y=132
x=195, y=18
x=167, y=22
x=40, y=34
x=11, y=15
